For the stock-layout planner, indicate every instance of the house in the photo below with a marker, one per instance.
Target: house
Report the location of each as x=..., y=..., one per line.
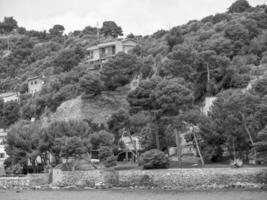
x=35, y=84
x=132, y=143
x=10, y=96
x=130, y=147
x=3, y=154
x=109, y=49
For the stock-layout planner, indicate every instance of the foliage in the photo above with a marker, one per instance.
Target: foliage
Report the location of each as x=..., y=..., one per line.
x=110, y=28
x=91, y=85
x=261, y=145
x=8, y=25
x=104, y=153
x=101, y=138
x=154, y=159
x=239, y=6
x=22, y=143
x=118, y=121
x=174, y=37
x=9, y=113
x=57, y=30
x=67, y=59
x=110, y=161
x=119, y=71
x=14, y=169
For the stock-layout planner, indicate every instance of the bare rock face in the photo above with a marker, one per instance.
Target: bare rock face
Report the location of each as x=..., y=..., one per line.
x=98, y=109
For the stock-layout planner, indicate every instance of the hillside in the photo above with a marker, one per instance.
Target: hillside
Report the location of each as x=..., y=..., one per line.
x=156, y=91
x=232, y=44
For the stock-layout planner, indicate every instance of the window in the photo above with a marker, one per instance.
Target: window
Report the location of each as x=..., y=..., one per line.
x=35, y=82
x=2, y=155
x=113, y=50
x=103, y=52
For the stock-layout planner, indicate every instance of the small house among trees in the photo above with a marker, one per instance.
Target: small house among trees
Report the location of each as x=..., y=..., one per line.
x=35, y=84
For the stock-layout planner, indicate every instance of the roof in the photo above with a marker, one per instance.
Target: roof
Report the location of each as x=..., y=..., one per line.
x=108, y=43
x=8, y=94
x=35, y=77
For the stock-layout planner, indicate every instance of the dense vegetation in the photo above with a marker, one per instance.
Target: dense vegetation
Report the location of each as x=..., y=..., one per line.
x=216, y=56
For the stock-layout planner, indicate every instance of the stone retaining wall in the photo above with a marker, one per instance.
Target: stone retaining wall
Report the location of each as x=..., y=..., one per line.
x=24, y=182
x=170, y=178
x=13, y=182
x=192, y=178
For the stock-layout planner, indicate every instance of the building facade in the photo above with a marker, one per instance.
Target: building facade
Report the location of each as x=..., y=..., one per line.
x=10, y=96
x=109, y=49
x=35, y=84
x=3, y=154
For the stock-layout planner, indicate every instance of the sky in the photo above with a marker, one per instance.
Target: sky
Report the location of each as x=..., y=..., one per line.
x=134, y=16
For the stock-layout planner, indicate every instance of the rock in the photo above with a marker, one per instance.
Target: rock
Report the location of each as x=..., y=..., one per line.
x=37, y=187
x=88, y=188
x=100, y=185
x=55, y=188
x=70, y=187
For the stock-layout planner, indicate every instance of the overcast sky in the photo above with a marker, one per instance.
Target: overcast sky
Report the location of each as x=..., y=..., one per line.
x=134, y=16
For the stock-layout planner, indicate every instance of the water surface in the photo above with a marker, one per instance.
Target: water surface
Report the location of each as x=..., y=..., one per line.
x=132, y=195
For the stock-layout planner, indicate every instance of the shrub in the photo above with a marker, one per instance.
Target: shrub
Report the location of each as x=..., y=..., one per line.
x=154, y=159
x=110, y=161
x=15, y=169
x=236, y=163
x=104, y=153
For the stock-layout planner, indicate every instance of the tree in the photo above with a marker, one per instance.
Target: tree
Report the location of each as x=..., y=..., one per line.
x=239, y=6
x=57, y=30
x=260, y=86
x=141, y=97
x=67, y=59
x=101, y=138
x=89, y=30
x=22, y=143
x=118, y=121
x=91, y=85
x=110, y=28
x=72, y=147
x=8, y=25
x=171, y=97
x=174, y=37
x=10, y=113
x=179, y=62
x=57, y=137
x=234, y=117
x=120, y=70
x=261, y=145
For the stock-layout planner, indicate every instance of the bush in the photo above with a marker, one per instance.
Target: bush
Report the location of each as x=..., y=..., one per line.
x=111, y=161
x=236, y=163
x=104, y=153
x=154, y=159
x=15, y=169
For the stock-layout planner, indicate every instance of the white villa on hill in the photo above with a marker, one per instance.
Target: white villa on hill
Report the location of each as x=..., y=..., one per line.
x=109, y=49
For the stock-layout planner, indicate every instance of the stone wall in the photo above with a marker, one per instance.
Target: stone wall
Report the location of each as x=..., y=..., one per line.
x=13, y=182
x=24, y=182
x=67, y=178
x=193, y=178
x=170, y=178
